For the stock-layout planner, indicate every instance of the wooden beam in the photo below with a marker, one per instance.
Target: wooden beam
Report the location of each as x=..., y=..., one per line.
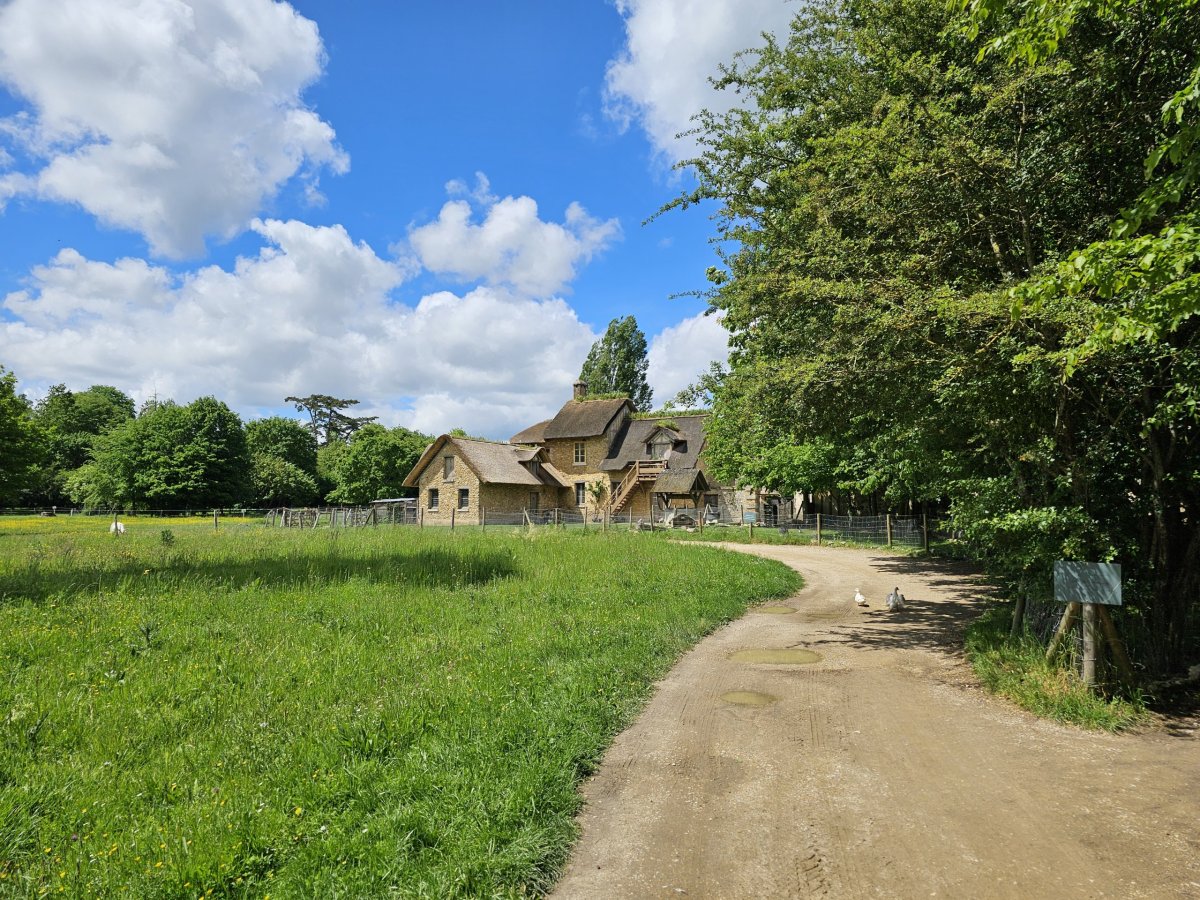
x=1120, y=657
x=1069, y=616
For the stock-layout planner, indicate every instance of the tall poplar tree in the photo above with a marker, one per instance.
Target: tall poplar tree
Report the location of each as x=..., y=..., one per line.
x=617, y=363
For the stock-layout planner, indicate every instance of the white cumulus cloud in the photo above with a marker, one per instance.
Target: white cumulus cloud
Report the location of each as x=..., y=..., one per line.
x=680, y=354
x=510, y=245
x=172, y=118
x=312, y=312
x=659, y=80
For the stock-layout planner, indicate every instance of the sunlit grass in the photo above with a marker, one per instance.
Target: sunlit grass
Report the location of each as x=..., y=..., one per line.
x=1018, y=670
x=319, y=713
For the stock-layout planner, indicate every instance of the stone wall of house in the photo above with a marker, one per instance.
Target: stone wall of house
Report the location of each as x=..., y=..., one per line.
x=433, y=478
x=561, y=455
x=513, y=498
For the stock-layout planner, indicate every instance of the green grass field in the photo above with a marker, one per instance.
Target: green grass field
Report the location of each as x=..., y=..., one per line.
x=186, y=713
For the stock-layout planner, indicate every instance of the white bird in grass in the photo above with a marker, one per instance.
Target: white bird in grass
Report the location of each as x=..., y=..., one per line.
x=859, y=598
x=895, y=600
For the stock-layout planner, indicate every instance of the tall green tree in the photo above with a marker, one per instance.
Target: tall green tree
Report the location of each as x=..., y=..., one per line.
x=617, y=363
x=283, y=456
x=72, y=420
x=1142, y=280
x=170, y=457
x=22, y=443
x=375, y=463
x=880, y=190
x=284, y=438
x=327, y=421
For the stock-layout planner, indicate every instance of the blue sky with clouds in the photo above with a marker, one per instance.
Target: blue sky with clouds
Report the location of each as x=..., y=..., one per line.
x=434, y=208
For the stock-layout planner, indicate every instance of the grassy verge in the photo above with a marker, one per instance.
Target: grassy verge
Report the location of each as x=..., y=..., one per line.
x=392, y=711
x=1018, y=670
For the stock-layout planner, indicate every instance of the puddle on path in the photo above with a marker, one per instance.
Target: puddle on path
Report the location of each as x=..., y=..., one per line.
x=780, y=657
x=748, y=698
x=776, y=610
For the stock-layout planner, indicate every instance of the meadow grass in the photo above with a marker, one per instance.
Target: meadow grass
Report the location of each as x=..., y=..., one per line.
x=324, y=713
x=1017, y=669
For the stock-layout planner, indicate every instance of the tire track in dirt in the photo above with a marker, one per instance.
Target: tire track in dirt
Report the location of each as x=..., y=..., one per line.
x=879, y=771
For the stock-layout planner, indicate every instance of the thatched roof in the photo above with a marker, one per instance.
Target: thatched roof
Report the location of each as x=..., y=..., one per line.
x=684, y=482
x=492, y=462
x=534, y=434
x=584, y=418
x=630, y=445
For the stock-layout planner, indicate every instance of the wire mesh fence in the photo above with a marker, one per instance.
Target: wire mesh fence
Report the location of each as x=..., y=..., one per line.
x=884, y=530
x=193, y=512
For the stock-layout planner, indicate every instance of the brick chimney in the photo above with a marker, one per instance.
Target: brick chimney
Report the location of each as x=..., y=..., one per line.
x=580, y=390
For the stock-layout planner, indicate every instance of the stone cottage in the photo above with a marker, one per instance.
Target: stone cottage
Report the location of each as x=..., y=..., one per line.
x=651, y=468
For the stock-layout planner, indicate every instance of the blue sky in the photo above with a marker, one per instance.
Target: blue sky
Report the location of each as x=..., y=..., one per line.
x=434, y=208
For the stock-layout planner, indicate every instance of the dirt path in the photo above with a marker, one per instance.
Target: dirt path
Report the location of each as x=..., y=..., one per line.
x=879, y=771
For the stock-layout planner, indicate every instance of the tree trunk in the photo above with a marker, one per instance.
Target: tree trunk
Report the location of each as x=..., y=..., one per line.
x=1018, y=619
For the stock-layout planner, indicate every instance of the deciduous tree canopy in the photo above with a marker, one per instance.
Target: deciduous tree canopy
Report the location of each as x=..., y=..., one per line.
x=22, y=444
x=884, y=195
x=327, y=422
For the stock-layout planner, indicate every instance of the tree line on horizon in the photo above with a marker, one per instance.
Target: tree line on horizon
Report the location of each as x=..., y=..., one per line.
x=94, y=449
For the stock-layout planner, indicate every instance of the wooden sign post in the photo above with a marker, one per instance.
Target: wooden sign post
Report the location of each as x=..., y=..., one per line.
x=1089, y=589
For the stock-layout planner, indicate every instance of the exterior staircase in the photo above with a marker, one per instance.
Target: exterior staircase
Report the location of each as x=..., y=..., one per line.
x=641, y=473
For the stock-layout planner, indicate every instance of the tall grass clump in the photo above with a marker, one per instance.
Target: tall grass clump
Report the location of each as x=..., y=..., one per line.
x=1018, y=669
x=322, y=713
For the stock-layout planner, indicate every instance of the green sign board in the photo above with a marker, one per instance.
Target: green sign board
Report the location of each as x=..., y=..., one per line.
x=1087, y=582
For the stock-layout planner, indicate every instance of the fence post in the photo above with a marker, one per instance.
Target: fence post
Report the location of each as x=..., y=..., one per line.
x=216, y=522
x=818, y=529
x=925, y=530
x=888, y=522
x=483, y=516
x=420, y=517
x=585, y=517
x=452, y=518
x=1089, y=644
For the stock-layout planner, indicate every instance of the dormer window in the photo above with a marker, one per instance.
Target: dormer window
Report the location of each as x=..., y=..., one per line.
x=659, y=447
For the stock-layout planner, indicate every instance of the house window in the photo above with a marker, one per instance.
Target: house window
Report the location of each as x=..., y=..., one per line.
x=580, y=453
x=580, y=493
x=433, y=498
x=448, y=468
x=464, y=498
x=658, y=449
